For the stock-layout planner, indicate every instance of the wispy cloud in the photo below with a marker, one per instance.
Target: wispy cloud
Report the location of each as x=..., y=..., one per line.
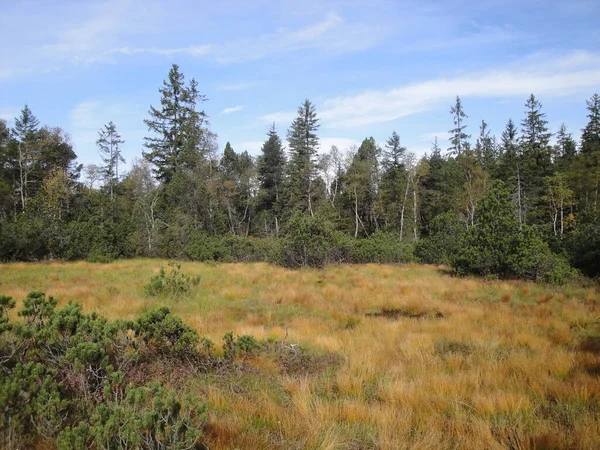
x=232, y=109
x=572, y=73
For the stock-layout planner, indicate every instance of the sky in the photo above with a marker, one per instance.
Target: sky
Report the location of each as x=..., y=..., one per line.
x=370, y=67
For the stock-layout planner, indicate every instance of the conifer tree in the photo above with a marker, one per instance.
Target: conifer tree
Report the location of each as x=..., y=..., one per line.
x=458, y=139
x=109, y=141
x=26, y=133
x=303, y=142
x=178, y=127
x=270, y=168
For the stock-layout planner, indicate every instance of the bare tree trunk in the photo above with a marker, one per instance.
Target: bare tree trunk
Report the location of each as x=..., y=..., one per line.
x=415, y=209
x=402, y=210
x=22, y=176
x=520, y=214
x=355, y=213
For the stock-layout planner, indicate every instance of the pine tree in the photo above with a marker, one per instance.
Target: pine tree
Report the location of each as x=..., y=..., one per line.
x=394, y=181
x=26, y=133
x=590, y=150
x=303, y=142
x=536, y=155
x=565, y=149
x=459, y=139
x=109, y=141
x=178, y=125
x=271, y=167
x=485, y=149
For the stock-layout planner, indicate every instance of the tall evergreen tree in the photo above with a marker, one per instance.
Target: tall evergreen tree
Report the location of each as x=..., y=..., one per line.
x=178, y=127
x=270, y=168
x=536, y=155
x=394, y=181
x=565, y=149
x=458, y=137
x=109, y=142
x=303, y=142
x=26, y=134
x=590, y=151
x=485, y=149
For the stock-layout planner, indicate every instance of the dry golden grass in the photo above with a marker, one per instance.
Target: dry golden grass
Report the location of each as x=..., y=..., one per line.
x=509, y=365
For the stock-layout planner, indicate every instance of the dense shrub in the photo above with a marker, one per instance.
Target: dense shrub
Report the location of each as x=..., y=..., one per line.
x=204, y=247
x=149, y=417
x=443, y=242
x=497, y=246
x=166, y=333
x=381, y=247
x=584, y=249
x=65, y=378
x=311, y=241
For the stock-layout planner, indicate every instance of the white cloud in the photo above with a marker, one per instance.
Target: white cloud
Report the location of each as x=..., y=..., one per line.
x=573, y=73
x=331, y=34
x=232, y=109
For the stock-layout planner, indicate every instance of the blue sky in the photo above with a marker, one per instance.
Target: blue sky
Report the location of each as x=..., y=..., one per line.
x=370, y=67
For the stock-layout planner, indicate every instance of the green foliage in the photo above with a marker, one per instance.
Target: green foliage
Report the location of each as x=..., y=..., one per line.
x=382, y=248
x=174, y=284
x=310, y=241
x=65, y=377
x=148, y=417
x=497, y=246
x=444, y=239
x=241, y=346
x=584, y=249
x=166, y=333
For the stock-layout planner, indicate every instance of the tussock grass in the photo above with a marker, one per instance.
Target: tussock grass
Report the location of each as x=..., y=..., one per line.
x=509, y=365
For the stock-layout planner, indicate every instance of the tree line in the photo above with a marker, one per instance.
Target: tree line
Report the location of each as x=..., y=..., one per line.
x=184, y=198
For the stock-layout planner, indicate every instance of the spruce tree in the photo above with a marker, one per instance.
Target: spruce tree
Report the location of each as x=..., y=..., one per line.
x=271, y=166
x=178, y=127
x=303, y=142
x=458, y=139
x=109, y=141
x=26, y=133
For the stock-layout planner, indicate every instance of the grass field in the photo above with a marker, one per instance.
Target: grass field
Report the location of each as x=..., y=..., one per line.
x=388, y=357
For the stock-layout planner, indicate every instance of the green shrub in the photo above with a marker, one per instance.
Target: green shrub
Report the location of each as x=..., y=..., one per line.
x=67, y=375
x=446, y=233
x=166, y=333
x=242, y=345
x=584, y=249
x=497, y=246
x=204, y=247
x=175, y=283
x=311, y=241
x=148, y=417
x=382, y=248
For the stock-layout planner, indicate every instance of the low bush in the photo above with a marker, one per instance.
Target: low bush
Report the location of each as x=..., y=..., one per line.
x=497, y=246
x=382, y=248
x=70, y=378
x=443, y=242
x=311, y=241
x=174, y=284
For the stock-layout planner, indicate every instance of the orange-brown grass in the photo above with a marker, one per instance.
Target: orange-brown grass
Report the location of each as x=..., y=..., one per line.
x=509, y=365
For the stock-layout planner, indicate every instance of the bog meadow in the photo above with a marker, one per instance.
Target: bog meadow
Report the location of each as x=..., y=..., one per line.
x=162, y=287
